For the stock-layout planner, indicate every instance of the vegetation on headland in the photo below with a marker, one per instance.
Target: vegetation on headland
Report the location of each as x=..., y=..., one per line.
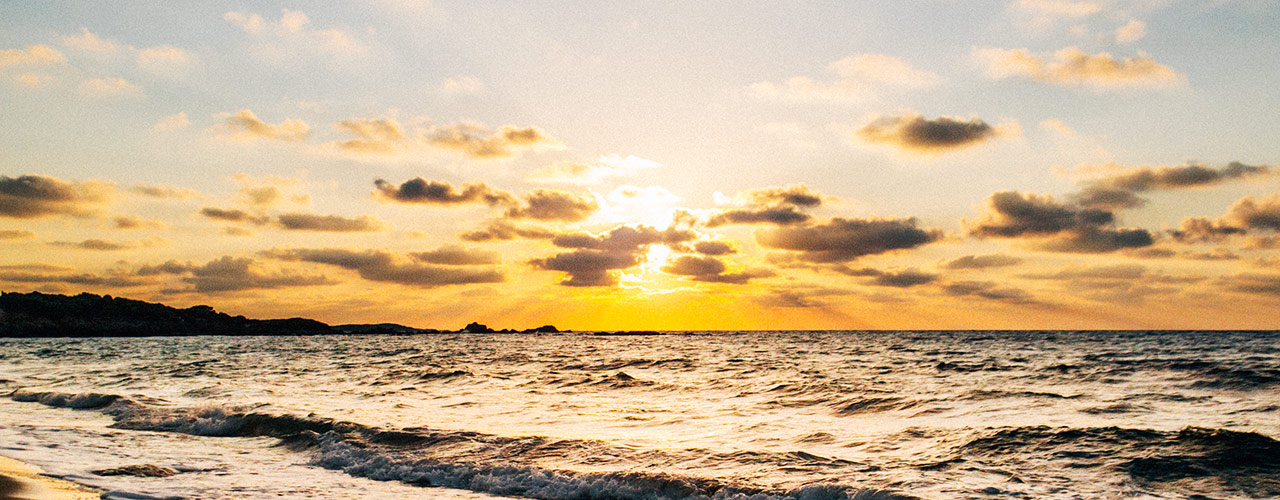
x=38, y=314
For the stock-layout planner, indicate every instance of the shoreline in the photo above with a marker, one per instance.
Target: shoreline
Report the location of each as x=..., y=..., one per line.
x=21, y=481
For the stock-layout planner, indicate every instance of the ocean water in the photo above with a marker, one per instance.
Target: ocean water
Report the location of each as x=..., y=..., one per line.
x=803, y=415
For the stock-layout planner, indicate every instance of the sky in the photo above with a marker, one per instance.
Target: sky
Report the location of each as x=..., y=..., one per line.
x=939, y=164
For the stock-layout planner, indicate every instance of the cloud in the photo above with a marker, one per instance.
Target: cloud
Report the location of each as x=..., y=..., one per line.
x=1011, y=214
x=553, y=205
x=90, y=42
x=109, y=87
x=1245, y=215
x=1253, y=283
x=858, y=77
x=500, y=230
x=712, y=270
x=233, y=215
x=843, y=240
x=16, y=234
x=232, y=274
x=904, y=279
x=1057, y=126
x=1116, y=283
x=1131, y=32
x=31, y=196
x=798, y=195
x=377, y=265
x=1073, y=67
x=173, y=122
x=1058, y=8
x=921, y=135
x=776, y=205
x=128, y=221
x=593, y=259
x=714, y=248
x=165, y=60
x=982, y=261
x=1254, y=213
x=293, y=31
x=329, y=223
x=34, y=55
x=987, y=290
x=1119, y=190
x=165, y=192
x=478, y=142
x=461, y=85
x=582, y=174
x=101, y=245
x=244, y=124
x=455, y=255
x=783, y=215
x=418, y=190
x=58, y=275
x=387, y=136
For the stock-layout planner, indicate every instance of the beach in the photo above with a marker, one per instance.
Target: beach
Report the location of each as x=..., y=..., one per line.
x=19, y=481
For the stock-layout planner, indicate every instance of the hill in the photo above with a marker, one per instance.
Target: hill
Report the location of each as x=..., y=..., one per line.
x=87, y=315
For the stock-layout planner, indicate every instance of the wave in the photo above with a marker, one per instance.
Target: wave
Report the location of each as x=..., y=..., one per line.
x=1192, y=458
x=458, y=459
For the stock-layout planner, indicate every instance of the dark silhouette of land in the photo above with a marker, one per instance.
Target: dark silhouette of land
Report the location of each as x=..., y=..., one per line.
x=38, y=314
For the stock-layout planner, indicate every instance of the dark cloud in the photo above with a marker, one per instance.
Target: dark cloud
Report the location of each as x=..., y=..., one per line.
x=919, y=134
x=842, y=240
x=131, y=222
x=1204, y=230
x=164, y=192
x=16, y=234
x=545, y=204
x=31, y=196
x=982, y=261
x=775, y=205
x=594, y=260
x=904, y=279
x=233, y=215
x=781, y=215
x=1011, y=214
x=376, y=265
x=1152, y=253
x=801, y=296
x=1127, y=283
x=480, y=143
x=170, y=267
x=798, y=195
x=711, y=270
x=1253, y=213
x=329, y=223
x=455, y=255
x=231, y=274
x=94, y=244
x=45, y=274
x=419, y=190
x=1254, y=283
x=500, y=230
x=988, y=290
x=1120, y=190
x=714, y=248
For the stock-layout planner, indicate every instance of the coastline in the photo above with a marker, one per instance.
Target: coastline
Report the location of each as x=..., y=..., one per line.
x=20, y=481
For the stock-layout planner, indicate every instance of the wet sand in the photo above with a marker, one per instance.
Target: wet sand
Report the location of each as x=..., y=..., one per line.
x=19, y=481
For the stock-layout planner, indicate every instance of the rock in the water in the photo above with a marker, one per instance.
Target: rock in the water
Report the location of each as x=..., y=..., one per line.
x=144, y=470
x=474, y=327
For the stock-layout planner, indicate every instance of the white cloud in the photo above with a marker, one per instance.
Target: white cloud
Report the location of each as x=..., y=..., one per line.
x=35, y=55
x=109, y=87
x=90, y=42
x=1131, y=32
x=173, y=122
x=856, y=78
x=1072, y=66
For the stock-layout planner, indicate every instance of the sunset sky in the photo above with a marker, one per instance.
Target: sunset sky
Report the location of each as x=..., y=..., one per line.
x=682, y=165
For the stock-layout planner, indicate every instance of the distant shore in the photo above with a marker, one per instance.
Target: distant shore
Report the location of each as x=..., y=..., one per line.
x=19, y=481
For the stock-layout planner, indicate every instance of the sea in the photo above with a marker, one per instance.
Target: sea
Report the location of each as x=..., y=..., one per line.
x=866, y=415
